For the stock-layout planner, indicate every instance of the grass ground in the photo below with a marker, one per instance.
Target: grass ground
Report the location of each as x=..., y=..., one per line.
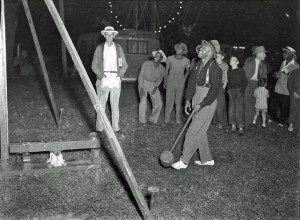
x=255, y=177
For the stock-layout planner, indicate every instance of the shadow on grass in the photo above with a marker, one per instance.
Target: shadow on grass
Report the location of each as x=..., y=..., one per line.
x=114, y=163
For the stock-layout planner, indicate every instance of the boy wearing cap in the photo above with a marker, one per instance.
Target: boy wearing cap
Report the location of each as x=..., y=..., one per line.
x=174, y=81
x=202, y=89
x=281, y=97
x=255, y=69
x=150, y=77
x=220, y=111
x=109, y=65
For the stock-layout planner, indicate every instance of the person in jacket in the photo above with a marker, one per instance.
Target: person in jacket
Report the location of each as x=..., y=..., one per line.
x=255, y=69
x=109, y=65
x=280, y=99
x=201, y=94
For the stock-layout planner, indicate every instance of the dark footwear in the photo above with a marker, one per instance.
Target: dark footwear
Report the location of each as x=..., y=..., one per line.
x=152, y=123
x=142, y=126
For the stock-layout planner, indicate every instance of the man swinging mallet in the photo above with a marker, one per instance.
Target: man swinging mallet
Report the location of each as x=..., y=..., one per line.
x=203, y=87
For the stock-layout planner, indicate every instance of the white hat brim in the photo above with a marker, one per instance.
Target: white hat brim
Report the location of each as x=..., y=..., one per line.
x=103, y=32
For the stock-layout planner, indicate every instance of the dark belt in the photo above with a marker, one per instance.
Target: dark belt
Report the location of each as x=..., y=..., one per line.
x=110, y=71
x=205, y=85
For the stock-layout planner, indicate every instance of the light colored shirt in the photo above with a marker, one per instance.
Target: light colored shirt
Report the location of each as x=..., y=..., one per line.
x=151, y=73
x=110, y=64
x=283, y=75
x=177, y=66
x=261, y=94
x=254, y=77
x=224, y=67
x=110, y=58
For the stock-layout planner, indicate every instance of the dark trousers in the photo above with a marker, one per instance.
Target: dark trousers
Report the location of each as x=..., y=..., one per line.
x=294, y=117
x=282, y=103
x=236, y=107
x=219, y=116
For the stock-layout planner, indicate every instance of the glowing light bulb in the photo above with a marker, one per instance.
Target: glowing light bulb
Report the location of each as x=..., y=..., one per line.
x=159, y=31
x=180, y=7
x=178, y=13
x=169, y=21
x=116, y=16
x=165, y=26
x=180, y=2
x=159, y=27
x=111, y=12
x=173, y=19
x=117, y=21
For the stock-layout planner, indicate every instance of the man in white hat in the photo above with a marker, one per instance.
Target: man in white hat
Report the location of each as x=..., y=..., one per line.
x=255, y=69
x=109, y=65
x=150, y=77
x=177, y=70
x=280, y=99
x=202, y=89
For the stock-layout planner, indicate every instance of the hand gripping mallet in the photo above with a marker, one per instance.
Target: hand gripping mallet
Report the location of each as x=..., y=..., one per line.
x=166, y=158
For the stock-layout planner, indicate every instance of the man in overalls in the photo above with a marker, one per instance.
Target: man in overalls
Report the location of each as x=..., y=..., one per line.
x=203, y=87
x=109, y=65
x=177, y=69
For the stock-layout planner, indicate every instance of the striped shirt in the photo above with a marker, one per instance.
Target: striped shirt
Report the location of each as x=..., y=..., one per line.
x=224, y=67
x=261, y=94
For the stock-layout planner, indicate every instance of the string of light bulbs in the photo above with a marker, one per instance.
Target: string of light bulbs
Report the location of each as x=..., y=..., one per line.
x=171, y=20
x=116, y=17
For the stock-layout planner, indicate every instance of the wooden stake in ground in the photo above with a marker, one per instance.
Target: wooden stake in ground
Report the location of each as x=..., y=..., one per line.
x=3, y=93
x=41, y=59
x=97, y=105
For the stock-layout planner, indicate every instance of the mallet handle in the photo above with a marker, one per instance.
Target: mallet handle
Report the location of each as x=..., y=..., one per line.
x=181, y=132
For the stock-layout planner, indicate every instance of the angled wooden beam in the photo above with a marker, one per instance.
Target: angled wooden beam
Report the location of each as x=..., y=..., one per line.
x=100, y=109
x=41, y=59
x=3, y=93
x=63, y=46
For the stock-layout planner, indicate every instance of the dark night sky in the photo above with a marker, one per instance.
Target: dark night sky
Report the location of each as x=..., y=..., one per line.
x=269, y=23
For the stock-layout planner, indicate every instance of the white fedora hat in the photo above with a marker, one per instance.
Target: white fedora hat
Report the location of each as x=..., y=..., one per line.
x=109, y=29
x=164, y=57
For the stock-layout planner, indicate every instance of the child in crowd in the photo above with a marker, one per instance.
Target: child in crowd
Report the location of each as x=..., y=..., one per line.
x=261, y=94
x=237, y=83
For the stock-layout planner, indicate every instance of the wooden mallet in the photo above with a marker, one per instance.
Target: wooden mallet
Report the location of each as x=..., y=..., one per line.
x=166, y=158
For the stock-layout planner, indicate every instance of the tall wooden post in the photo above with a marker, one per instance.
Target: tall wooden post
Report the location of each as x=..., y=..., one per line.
x=41, y=59
x=3, y=93
x=63, y=47
x=100, y=110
